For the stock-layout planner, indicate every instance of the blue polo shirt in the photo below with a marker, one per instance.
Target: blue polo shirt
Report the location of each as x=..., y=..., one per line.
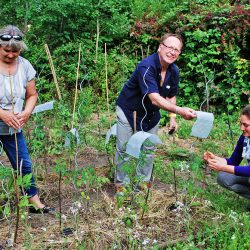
x=145, y=80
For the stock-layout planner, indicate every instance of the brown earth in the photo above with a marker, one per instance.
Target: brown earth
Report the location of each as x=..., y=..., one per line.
x=98, y=223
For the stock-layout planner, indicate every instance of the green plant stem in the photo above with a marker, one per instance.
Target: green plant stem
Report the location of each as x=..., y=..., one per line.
x=60, y=200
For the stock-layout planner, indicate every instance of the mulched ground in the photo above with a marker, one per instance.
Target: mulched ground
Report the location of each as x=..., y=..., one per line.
x=96, y=222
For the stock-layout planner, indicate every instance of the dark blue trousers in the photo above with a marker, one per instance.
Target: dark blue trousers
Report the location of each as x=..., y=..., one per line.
x=9, y=147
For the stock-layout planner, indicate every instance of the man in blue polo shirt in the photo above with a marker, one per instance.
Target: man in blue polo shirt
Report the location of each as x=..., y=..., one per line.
x=152, y=86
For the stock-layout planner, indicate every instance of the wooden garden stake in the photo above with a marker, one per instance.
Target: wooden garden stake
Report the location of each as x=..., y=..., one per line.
x=174, y=138
x=134, y=115
x=142, y=54
x=16, y=190
x=134, y=131
x=147, y=195
x=204, y=183
x=60, y=200
x=45, y=157
x=148, y=186
x=175, y=185
x=21, y=175
x=53, y=71
x=148, y=50
x=175, y=179
x=107, y=99
x=107, y=89
x=77, y=77
x=14, y=177
x=96, y=60
x=97, y=39
x=17, y=206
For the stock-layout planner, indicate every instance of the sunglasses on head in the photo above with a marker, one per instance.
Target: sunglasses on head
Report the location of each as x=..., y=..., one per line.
x=8, y=37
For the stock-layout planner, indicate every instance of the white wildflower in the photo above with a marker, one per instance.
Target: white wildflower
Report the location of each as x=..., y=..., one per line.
x=145, y=242
x=207, y=203
x=233, y=215
x=184, y=166
x=129, y=209
x=78, y=204
x=64, y=217
x=179, y=207
x=73, y=210
x=136, y=235
x=10, y=241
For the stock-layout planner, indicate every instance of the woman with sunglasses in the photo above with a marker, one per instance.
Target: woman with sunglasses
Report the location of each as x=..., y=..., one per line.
x=17, y=86
x=232, y=176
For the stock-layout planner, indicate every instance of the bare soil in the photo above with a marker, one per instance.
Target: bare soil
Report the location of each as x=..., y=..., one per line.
x=97, y=223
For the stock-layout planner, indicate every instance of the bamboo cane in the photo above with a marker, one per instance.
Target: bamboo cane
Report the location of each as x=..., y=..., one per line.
x=134, y=131
x=142, y=54
x=107, y=89
x=60, y=200
x=53, y=71
x=134, y=115
x=107, y=98
x=148, y=50
x=14, y=177
x=77, y=77
x=147, y=194
x=97, y=39
x=96, y=60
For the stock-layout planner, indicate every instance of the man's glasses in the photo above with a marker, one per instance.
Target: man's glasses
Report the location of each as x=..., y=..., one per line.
x=169, y=48
x=8, y=37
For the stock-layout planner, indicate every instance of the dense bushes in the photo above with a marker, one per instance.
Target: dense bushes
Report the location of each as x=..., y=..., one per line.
x=214, y=63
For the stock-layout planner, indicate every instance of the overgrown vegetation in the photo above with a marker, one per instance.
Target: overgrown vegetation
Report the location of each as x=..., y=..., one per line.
x=203, y=219
x=216, y=35
x=77, y=179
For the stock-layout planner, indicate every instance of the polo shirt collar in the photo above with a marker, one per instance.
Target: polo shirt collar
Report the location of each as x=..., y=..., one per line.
x=157, y=62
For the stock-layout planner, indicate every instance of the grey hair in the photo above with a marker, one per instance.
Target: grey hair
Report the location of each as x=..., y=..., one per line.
x=13, y=31
x=167, y=35
x=246, y=111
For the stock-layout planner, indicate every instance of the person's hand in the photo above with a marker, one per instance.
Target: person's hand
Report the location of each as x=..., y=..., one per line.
x=10, y=119
x=23, y=118
x=208, y=155
x=219, y=164
x=172, y=125
x=187, y=113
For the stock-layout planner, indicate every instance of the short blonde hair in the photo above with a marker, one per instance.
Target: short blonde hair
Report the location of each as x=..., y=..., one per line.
x=13, y=31
x=167, y=35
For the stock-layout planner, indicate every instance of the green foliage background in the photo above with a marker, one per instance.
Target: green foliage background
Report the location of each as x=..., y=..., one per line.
x=215, y=56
